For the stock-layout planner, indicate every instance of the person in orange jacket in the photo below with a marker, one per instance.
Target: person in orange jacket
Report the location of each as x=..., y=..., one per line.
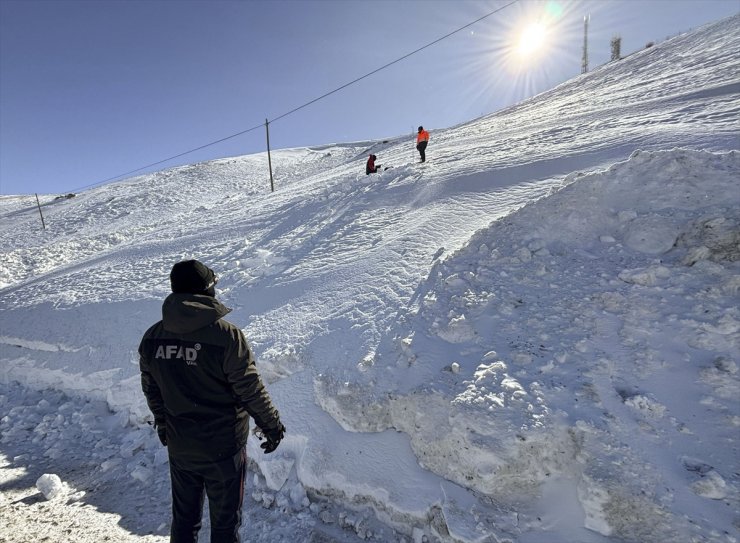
x=422, y=139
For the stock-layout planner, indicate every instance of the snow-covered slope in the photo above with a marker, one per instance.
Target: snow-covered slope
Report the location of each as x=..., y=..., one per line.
x=531, y=337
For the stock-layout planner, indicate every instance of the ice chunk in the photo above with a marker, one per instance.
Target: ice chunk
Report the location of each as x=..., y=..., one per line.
x=51, y=486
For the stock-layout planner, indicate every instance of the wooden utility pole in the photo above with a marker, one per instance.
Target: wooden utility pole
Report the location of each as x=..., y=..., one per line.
x=43, y=224
x=269, y=159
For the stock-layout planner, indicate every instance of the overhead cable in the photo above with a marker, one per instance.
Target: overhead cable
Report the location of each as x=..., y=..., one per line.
x=168, y=159
x=304, y=105
x=393, y=62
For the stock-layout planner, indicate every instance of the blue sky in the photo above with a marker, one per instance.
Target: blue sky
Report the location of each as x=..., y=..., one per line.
x=92, y=89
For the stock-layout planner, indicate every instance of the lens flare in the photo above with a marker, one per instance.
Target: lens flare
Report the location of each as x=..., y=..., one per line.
x=554, y=9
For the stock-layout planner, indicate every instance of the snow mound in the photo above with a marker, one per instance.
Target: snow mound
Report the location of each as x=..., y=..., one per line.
x=528, y=313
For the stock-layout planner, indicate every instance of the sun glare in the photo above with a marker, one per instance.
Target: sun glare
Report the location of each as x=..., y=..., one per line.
x=531, y=41
x=536, y=46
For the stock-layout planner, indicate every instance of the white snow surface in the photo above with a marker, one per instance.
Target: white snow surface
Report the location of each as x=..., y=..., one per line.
x=533, y=337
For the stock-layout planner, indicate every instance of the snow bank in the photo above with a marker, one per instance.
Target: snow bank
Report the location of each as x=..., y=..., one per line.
x=557, y=317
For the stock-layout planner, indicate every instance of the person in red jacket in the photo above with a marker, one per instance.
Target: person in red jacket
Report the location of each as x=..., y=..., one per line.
x=422, y=139
x=370, y=167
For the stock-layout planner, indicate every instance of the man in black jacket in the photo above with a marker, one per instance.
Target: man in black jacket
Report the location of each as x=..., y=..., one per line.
x=201, y=384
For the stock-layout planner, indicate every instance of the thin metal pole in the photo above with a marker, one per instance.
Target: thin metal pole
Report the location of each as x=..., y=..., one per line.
x=42, y=215
x=269, y=159
x=584, y=60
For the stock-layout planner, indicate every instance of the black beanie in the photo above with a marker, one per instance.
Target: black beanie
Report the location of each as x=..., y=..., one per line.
x=193, y=277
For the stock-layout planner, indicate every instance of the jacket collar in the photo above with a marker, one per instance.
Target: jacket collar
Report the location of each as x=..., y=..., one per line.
x=185, y=313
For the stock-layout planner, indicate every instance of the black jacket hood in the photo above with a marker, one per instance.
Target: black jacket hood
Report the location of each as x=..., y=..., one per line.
x=183, y=313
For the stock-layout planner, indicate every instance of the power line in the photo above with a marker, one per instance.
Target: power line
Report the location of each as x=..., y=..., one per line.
x=304, y=105
x=168, y=159
x=394, y=62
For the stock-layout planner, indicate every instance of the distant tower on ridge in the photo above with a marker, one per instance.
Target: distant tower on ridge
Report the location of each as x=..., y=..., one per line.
x=616, y=48
x=584, y=61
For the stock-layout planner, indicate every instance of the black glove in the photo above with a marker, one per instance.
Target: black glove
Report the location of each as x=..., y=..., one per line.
x=162, y=433
x=273, y=437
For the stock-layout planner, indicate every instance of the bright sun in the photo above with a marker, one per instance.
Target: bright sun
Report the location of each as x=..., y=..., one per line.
x=531, y=41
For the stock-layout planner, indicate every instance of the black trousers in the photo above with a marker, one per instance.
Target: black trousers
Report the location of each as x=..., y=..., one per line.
x=222, y=482
x=422, y=147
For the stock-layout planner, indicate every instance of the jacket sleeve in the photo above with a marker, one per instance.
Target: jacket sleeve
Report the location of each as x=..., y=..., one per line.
x=151, y=389
x=250, y=392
